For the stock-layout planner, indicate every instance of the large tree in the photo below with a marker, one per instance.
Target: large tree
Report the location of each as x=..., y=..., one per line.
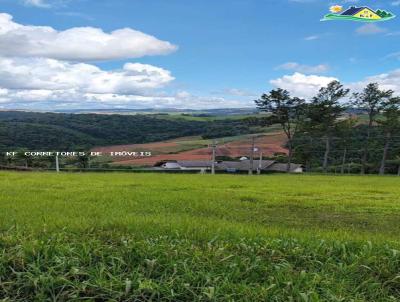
x=324, y=112
x=286, y=111
x=373, y=101
x=390, y=125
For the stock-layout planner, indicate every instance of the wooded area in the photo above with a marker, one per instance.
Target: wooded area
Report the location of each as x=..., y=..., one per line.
x=72, y=132
x=325, y=135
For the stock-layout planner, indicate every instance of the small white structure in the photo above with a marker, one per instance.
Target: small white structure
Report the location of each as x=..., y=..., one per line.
x=186, y=165
x=171, y=165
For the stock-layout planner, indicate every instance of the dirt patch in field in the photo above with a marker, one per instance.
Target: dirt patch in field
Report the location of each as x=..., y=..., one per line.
x=269, y=145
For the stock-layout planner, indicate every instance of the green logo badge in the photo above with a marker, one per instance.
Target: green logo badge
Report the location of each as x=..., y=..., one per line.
x=361, y=14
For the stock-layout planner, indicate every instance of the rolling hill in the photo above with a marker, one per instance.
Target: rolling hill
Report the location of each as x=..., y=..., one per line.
x=196, y=148
x=60, y=131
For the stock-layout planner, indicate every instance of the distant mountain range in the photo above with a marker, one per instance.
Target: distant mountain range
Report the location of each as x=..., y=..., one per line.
x=212, y=112
x=220, y=111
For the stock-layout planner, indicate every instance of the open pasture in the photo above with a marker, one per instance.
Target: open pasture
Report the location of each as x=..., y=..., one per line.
x=156, y=237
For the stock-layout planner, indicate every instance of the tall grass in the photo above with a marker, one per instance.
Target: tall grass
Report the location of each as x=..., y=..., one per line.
x=150, y=237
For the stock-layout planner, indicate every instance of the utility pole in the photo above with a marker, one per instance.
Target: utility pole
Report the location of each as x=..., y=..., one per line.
x=251, y=168
x=57, y=164
x=214, y=147
x=260, y=164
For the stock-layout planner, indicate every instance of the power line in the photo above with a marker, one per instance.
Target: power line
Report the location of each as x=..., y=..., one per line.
x=214, y=147
x=253, y=140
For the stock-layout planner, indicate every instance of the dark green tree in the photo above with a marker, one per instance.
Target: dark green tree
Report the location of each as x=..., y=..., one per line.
x=373, y=101
x=286, y=111
x=390, y=125
x=323, y=113
x=398, y=165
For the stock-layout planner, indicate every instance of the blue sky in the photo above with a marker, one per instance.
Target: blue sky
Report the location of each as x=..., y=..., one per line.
x=220, y=53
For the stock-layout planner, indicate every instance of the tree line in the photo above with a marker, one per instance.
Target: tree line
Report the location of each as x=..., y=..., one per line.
x=337, y=129
x=70, y=132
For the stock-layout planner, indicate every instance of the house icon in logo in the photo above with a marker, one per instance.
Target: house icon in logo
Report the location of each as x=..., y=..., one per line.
x=362, y=14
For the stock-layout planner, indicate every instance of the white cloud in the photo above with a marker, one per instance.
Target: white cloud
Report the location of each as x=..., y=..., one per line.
x=390, y=80
x=50, y=74
x=312, y=38
x=49, y=83
x=184, y=99
x=53, y=99
x=370, y=29
x=76, y=44
x=32, y=80
x=321, y=68
x=304, y=86
x=37, y=3
x=43, y=68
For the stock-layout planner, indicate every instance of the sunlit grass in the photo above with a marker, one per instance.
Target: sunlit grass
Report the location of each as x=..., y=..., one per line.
x=142, y=237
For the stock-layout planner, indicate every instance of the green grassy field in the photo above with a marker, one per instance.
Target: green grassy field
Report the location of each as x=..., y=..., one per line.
x=153, y=237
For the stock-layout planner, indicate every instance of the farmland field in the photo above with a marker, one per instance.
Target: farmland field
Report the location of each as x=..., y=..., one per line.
x=153, y=237
x=196, y=148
